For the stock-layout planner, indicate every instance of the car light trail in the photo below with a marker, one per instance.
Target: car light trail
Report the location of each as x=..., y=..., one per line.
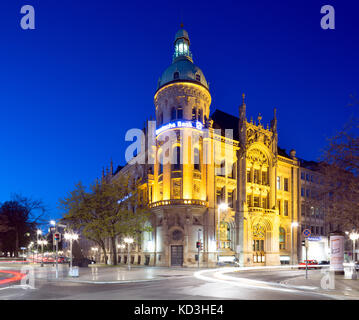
x=219, y=276
x=17, y=276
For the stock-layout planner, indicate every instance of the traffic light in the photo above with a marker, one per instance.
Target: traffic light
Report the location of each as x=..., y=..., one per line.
x=57, y=236
x=198, y=244
x=303, y=243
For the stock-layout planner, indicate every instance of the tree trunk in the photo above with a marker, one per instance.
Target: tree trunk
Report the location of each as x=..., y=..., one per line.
x=103, y=247
x=16, y=243
x=114, y=251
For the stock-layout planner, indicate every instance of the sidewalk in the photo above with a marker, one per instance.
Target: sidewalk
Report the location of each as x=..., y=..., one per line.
x=120, y=274
x=346, y=288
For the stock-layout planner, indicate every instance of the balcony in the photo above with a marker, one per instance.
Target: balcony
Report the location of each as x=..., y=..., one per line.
x=179, y=202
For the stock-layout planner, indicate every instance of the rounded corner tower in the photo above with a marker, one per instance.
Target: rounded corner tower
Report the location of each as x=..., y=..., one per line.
x=182, y=90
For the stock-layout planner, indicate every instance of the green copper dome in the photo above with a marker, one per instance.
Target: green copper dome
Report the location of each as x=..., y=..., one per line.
x=182, y=67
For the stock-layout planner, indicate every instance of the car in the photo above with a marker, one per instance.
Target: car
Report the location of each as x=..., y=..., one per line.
x=324, y=263
x=312, y=264
x=82, y=262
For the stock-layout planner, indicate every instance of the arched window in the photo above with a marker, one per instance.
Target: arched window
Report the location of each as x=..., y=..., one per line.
x=179, y=113
x=173, y=113
x=160, y=120
x=196, y=159
x=281, y=238
x=176, y=75
x=176, y=158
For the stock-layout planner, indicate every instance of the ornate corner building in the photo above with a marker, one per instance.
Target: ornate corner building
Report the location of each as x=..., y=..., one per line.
x=217, y=179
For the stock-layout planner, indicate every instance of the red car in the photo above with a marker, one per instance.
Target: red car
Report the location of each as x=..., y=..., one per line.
x=312, y=264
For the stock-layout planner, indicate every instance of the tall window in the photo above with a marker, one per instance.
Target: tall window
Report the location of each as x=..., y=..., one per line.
x=256, y=202
x=279, y=206
x=196, y=159
x=286, y=208
x=286, y=184
x=176, y=158
x=256, y=176
x=278, y=183
x=281, y=238
x=176, y=75
x=264, y=178
x=160, y=168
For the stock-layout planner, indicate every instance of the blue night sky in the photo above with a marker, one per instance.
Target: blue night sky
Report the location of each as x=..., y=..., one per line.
x=70, y=89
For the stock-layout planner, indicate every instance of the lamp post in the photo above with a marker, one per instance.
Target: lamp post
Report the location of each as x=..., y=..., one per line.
x=38, y=233
x=221, y=207
x=129, y=241
x=29, y=249
x=71, y=237
x=42, y=243
x=293, y=225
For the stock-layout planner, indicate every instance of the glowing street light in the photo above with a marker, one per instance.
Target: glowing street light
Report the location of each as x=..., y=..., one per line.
x=71, y=237
x=129, y=241
x=42, y=243
x=221, y=207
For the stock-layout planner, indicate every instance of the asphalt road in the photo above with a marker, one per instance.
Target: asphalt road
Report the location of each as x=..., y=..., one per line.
x=172, y=288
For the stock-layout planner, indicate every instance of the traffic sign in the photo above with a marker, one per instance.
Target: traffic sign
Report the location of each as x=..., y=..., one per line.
x=306, y=233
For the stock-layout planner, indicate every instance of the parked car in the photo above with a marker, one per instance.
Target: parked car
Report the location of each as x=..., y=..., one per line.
x=312, y=264
x=83, y=262
x=324, y=263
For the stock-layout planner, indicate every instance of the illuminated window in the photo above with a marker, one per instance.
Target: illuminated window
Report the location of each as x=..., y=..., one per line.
x=176, y=158
x=255, y=201
x=256, y=176
x=176, y=189
x=281, y=238
x=278, y=183
x=196, y=159
x=258, y=244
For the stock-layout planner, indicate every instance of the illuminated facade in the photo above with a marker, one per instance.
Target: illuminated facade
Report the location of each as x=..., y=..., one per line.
x=233, y=190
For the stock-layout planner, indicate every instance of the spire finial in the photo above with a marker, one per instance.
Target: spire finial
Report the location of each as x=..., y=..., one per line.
x=243, y=98
x=181, y=25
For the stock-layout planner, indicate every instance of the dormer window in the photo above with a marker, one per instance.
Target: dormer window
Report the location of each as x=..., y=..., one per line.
x=198, y=77
x=176, y=75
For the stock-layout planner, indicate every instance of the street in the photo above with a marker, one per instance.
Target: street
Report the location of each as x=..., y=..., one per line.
x=164, y=284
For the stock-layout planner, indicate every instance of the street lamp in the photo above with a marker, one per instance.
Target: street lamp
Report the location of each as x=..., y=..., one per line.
x=71, y=237
x=129, y=241
x=38, y=233
x=293, y=225
x=42, y=243
x=221, y=207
